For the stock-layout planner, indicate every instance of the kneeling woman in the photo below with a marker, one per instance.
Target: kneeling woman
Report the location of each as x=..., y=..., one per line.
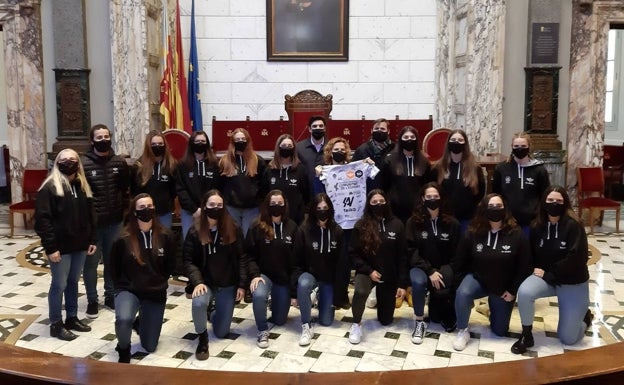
x=559, y=248
x=270, y=243
x=142, y=259
x=214, y=260
x=495, y=259
x=378, y=253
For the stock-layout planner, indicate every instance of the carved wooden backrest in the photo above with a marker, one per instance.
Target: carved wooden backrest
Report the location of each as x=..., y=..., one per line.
x=303, y=105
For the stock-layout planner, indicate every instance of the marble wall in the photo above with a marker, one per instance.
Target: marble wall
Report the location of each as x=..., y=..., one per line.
x=24, y=88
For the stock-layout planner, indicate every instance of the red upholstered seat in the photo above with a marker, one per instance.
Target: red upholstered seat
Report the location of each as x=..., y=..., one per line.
x=30, y=185
x=590, y=190
x=435, y=143
x=177, y=141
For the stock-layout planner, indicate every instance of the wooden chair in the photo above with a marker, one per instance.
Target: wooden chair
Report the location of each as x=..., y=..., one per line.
x=301, y=106
x=177, y=141
x=435, y=143
x=591, y=188
x=30, y=184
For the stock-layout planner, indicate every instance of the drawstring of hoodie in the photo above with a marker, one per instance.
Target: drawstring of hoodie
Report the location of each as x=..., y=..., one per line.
x=147, y=239
x=409, y=160
x=285, y=169
x=382, y=225
x=212, y=247
x=73, y=191
x=156, y=171
x=328, y=240
x=434, y=226
x=203, y=167
x=521, y=176
x=556, y=226
x=458, y=170
x=241, y=163
x=495, y=239
x=278, y=228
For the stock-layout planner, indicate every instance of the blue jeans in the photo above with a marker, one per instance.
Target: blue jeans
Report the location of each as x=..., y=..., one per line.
x=221, y=317
x=186, y=219
x=500, y=310
x=243, y=217
x=573, y=303
x=166, y=220
x=65, y=276
x=105, y=237
x=280, y=303
x=305, y=284
x=151, y=313
x=420, y=282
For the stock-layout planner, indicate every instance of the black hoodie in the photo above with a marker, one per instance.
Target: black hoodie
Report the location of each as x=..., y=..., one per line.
x=293, y=182
x=433, y=244
x=317, y=251
x=191, y=184
x=161, y=187
x=242, y=191
x=462, y=200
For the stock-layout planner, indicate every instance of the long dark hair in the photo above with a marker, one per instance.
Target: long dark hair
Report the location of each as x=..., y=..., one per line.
x=225, y=223
x=480, y=225
x=131, y=231
x=469, y=164
x=275, y=163
x=228, y=164
x=209, y=155
x=368, y=225
x=147, y=159
x=312, y=220
x=397, y=154
x=264, y=220
x=421, y=215
x=542, y=215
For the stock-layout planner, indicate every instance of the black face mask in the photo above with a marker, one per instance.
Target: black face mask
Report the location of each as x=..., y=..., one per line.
x=199, y=148
x=380, y=136
x=213, y=212
x=158, y=150
x=144, y=215
x=432, y=204
x=68, y=167
x=520, y=152
x=240, y=146
x=318, y=134
x=495, y=214
x=456, y=147
x=277, y=210
x=378, y=210
x=409, y=145
x=102, y=145
x=339, y=157
x=554, y=209
x=322, y=215
x=286, y=152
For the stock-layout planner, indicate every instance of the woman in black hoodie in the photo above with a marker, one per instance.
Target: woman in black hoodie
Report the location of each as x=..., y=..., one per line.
x=142, y=260
x=215, y=262
x=378, y=252
x=559, y=249
x=65, y=222
x=270, y=243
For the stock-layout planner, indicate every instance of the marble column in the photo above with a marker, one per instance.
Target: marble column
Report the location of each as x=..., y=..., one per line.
x=21, y=23
x=469, y=70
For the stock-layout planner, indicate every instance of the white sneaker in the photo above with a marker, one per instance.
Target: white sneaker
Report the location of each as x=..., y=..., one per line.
x=263, y=339
x=355, y=334
x=460, y=342
x=314, y=297
x=371, y=301
x=306, y=335
x=420, y=330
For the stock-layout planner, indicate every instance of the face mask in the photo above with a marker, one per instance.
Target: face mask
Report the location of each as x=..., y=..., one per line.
x=318, y=134
x=409, y=145
x=554, y=209
x=520, y=152
x=158, y=150
x=199, y=148
x=144, y=215
x=102, y=145
x=338, y=156
x=495, y=214
x=378, y=210
x=456, y=147
x=213, y=212
x=286, y=152
x=322, y=215
x=277, y=210
x=68, y=167
x=432, y=204
x=240, y=146
x=380, y=136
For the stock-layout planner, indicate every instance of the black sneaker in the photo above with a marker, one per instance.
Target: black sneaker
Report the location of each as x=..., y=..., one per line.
x=74, y=323
x=201, y=353
x=92, y=309
x=58, y=330
x=124, y=354
x=109, y=302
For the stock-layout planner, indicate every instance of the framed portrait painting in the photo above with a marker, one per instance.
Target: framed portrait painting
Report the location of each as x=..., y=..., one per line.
x=307, y=30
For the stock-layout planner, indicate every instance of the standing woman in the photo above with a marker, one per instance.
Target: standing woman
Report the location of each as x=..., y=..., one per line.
x=214, y=259
x=494, y=259
x=287, y=174
x=317, y=251
x=432, y=237
x=406, y=170
x=559, y=248
x=270, y=244
x=242, y=170
x=154, y=174
x=521, y=180
x=142, y=259
x=197, y=173
x=65, y=222
x=378, y=252
x=460, y=178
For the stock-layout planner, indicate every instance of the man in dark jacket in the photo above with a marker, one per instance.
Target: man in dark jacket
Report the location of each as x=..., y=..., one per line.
x=109, y=178
x=310, y=150
x=376, y=148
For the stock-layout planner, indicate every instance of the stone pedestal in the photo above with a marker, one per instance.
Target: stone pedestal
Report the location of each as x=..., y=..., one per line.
x=555, y=163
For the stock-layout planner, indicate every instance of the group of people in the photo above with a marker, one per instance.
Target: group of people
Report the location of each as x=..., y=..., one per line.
x=290, y=232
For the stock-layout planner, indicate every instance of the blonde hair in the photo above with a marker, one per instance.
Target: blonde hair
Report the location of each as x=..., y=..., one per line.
x=327, y=150
x=58, y=179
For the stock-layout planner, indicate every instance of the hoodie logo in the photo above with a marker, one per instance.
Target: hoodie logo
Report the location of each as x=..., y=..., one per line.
x=315, y=245
x=424, y=235
x=529, y=181
x=161, y=252
x=391, y=235
x=479, y=247
x=506, y=249
x=507, y=179
x=288, y=239
x=273, y=180
x=164, y=178
x=293, y=181
x=191, y=174
x=444, y=236
x=209, y=174
x=115, y=170
x=93, y=173
x=334, y=244
x=563, y=245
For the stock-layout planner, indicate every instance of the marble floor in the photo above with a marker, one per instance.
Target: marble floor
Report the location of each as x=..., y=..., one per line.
x=24, y=322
